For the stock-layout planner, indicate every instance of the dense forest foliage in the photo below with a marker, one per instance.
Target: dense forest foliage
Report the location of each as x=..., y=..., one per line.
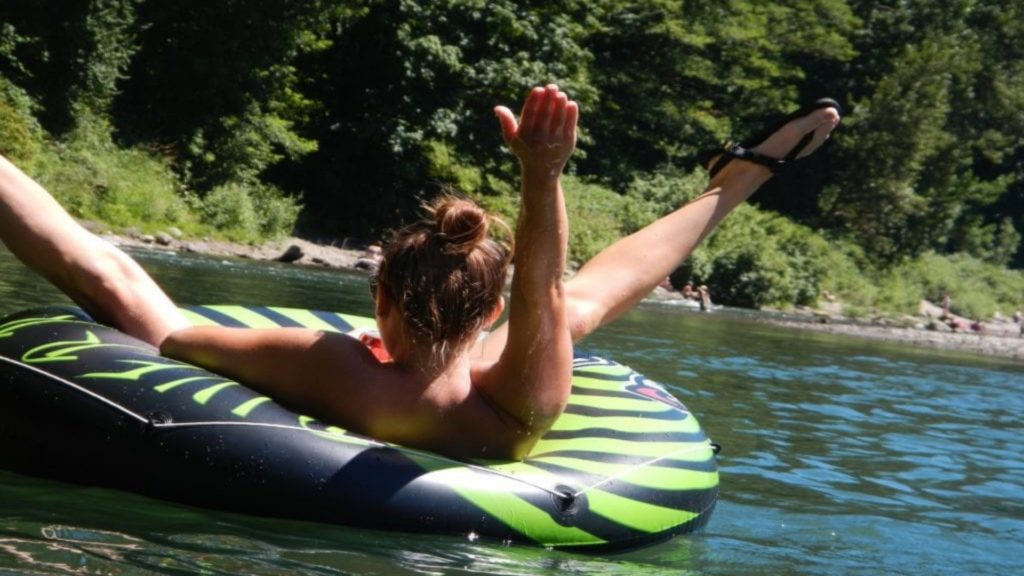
x=243, y=115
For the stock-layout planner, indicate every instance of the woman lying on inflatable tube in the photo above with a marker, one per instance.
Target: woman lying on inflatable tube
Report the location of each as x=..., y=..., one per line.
x=439, y=285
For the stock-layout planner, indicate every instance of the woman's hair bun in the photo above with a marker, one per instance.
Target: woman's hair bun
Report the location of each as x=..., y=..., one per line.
x=461, y=224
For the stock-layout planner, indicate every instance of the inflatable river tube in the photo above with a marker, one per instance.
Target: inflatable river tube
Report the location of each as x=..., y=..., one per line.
x=625, y=465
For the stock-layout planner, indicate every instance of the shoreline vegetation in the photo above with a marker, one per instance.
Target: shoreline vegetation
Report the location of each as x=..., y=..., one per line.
x=998, y=337
x=164, y=118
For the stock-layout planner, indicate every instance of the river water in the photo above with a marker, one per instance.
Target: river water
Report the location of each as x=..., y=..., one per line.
x=841, y=456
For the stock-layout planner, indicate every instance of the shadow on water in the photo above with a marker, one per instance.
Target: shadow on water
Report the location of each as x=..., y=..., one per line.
x=841, y=456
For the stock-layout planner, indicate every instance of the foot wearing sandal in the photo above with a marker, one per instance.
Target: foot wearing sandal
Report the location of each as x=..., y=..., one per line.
x=791, y=139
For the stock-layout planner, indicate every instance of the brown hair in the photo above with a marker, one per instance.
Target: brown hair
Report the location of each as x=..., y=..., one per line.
x=445, y=274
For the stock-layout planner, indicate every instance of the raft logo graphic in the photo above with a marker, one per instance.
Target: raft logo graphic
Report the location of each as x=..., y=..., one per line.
x=144, y=367
x=61, y=351
x=641, y=387
x=68, y=350
x=7, y=330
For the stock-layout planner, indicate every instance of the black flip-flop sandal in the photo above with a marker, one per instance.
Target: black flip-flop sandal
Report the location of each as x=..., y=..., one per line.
x=742, y=150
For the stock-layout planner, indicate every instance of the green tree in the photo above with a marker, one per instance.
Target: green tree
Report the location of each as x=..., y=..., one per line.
x=996, y=104
x=406, y=91
x=106, y=48
x=676, y=77
x=924, y=156
x=71, y=54
x=19, y=131
x=895, y=135
x=214, y=83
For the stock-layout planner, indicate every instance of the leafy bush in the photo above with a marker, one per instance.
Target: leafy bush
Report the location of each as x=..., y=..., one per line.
x=757, y=259
x=142, y=192
x=20, y=134
x=276, y=212
x=976, y=289
x=592, y=211
x=443, y=166
x=243, y=146
x=846, y=278
x=248, y=212
x=130, y=187
x=93, y=178
x=228, y=209
x=652, y=195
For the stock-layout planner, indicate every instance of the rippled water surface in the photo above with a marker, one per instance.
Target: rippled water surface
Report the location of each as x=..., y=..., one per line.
x=841, y=456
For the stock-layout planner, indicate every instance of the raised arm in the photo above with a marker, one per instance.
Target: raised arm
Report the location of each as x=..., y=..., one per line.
x=531, y=379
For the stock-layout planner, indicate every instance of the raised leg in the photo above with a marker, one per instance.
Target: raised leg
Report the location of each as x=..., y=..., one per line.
x=624, y=273
x=98, y=276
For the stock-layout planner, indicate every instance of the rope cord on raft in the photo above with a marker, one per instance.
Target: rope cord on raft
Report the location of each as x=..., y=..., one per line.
x=372, y=442
x=632, y=469
x=53, y=377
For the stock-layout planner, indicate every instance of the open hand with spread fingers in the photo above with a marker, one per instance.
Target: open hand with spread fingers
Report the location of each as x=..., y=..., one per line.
x=545, y=135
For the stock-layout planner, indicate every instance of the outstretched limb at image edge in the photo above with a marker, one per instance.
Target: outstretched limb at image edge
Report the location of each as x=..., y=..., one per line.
x=627, y=271
x=95, y=274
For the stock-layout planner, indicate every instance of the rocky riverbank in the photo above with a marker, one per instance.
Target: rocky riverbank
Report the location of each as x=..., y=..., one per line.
x=931, y=327
x=1000, y=344
x=292, y=250
x=1000, y=338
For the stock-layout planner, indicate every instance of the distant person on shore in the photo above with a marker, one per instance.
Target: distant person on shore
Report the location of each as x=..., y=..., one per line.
x=705, y=297
x=440, y=283
x=689, y=293
x=946, y=300
x=958, y=325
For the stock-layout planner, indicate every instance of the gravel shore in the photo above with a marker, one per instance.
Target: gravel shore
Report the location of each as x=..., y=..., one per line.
x=292, y=249
x=998, y=338
x=1004, y=346
x=1001, y=339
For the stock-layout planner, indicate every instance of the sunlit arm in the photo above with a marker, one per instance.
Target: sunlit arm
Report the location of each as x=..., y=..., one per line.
x=531, y=379
x=295, y=366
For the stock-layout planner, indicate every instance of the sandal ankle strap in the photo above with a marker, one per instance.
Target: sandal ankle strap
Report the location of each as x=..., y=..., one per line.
x=776, y=165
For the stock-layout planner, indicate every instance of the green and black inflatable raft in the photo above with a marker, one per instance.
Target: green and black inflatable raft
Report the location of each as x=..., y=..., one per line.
x=625, y=465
